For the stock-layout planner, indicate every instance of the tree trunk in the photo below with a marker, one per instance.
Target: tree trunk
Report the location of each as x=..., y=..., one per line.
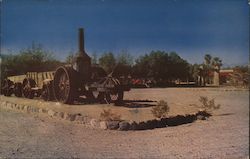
x=216, y=80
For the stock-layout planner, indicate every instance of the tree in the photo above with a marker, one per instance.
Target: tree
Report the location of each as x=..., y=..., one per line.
x=216, y=63
x=240, y=76
x=125, y=58
x=206, y=69
x=31, y=59
x=194, y=72
x=211, y=64
x=94, y=58
x=107, y=61
x=203, y=74
x=141, y=67
x=207, y=59
x=161, y=66
x=179, y=68
x=69, y=59
x=152, y=65
x=124, y=62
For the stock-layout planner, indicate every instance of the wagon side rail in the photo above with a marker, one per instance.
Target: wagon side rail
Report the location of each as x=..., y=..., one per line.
x=40, y=77
x=17, y=79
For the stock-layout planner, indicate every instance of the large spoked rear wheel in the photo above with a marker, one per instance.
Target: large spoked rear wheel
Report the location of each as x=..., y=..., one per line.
x=65, y=85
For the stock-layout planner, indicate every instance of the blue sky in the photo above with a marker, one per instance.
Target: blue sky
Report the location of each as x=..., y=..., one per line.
x=192, y=28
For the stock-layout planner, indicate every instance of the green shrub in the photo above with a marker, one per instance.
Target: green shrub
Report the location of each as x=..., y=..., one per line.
x=161, y=109
x=108, y=115
x=208, y=105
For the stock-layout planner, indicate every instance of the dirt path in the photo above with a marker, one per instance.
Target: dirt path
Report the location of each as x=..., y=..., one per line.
x=224, y=135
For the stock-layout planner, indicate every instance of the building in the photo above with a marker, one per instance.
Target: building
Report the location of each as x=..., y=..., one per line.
x=225, y=76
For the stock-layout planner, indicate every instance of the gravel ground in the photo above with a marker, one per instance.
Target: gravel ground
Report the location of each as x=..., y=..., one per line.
x=224, y=135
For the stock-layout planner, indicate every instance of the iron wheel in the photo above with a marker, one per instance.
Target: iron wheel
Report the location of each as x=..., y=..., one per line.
x=65, y=85
x=18, y=89
x=7, y=90
x=28, y=83
x=47, y=92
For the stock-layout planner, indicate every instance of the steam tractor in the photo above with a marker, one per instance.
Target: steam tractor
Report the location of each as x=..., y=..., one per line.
x=71, y=82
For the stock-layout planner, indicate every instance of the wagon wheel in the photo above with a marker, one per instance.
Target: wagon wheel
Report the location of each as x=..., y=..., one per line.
x=7, y=90
x=28, y=83
x=65, y=85
x=47, y=92
x=18, y=89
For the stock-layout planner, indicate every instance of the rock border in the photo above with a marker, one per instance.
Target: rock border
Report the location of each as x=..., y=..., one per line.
x=79, y=118
x=109, y=125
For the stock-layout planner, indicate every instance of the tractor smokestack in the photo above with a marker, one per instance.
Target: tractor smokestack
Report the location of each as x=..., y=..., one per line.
x=81, y=41
x=82, y=61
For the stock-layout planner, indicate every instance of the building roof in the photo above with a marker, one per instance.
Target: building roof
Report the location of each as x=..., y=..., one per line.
x=227, y=71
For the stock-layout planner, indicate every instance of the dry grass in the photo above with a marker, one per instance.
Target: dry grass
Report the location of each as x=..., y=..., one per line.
x=161, y=109
x=108, y=115
x=208, y=105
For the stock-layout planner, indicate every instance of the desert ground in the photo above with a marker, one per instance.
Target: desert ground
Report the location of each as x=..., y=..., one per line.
x=223, y=135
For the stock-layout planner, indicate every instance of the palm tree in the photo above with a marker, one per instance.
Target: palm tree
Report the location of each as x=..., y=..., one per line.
x=206, y=68
x=199, y=73
x=207, y=59
x=216, y=63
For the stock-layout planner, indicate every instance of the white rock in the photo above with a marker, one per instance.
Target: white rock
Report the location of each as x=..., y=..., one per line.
x=103, y=125
x=9, y=105
x=22, y=107
x=51, y=113
x=25, y=108
x=40, y=110
x=80, y=119
x=28, y=109
x=60, y=115
x=94, y=123
x=70, y=117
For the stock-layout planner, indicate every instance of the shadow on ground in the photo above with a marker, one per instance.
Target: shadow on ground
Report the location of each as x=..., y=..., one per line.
x=136, y=103
x=124, y=103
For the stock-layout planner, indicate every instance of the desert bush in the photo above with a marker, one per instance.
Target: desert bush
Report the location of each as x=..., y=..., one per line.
x=161, y=109
x=108, y=115
x=208, y=105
